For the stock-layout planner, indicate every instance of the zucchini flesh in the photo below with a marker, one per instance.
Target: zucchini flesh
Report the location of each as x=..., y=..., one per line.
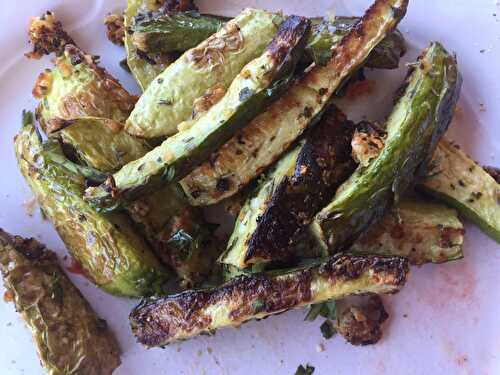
x=458, y=181
x=101, y=143
x=67, y=333
x=260, y=82
x=110, y=252
x=169, y=98
x=78, y=87
x=418, y=120
x=421, y=231
x=160, y=321
x=259, y=144
x=301, y=184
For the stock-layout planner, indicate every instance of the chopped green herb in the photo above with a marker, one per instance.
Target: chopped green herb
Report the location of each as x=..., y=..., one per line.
x=327, y=329
x=308, y=370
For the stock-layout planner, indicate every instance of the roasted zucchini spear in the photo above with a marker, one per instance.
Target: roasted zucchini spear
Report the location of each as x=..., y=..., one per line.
x=423, y=232
x=112, y=255
x=258, y=145
x=182, y=31
x=176, y=231
x=100, y=143
x=302, y=182
x=457, y=180
x=76, y=86
x=160, y=321
x=169, y=98
x=69, y=336
x=417, y=122
x=258, y=84
x=144, y=68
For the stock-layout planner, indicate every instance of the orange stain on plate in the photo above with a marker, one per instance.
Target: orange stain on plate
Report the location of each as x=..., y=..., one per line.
x=8, y=296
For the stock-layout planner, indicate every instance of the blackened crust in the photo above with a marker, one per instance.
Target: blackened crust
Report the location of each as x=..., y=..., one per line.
x=323, y=163
x=159, y=321
x=29, y=247
x=291, y=34
x=47, y=36
x=493, y=172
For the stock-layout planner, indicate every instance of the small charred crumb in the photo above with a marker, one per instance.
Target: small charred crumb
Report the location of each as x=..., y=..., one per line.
x=367, y=142
x=290, y=33
x=209, y=98
x=159, y=321
x=493, y=172
x=307, y=113
x=115, y=28
x=223, y=184
x=124, y=65
x=245, y=94
x=47, y=36
x=56, y=124
x=173, y=6
x=360, y=319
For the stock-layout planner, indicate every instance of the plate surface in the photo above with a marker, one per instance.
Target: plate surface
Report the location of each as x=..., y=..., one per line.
x=445, y=321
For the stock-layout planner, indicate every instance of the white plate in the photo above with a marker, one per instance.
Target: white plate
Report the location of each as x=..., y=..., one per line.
x=445, y=321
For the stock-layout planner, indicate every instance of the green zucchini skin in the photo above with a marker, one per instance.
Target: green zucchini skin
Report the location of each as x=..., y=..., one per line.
x=143, y=70
x=100, y=143
x=422, y=231
x=301, y=184
x=258, y=145
x=176, y=232
x=174, y=32
x=160, y=321
x=55, y=311
x=257, y=85
x=180, y=32
x=111, y=254
x=169, y=98
x=458, y=181
x=416, y=124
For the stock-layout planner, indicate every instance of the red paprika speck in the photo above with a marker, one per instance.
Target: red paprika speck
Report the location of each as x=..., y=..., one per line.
x=8, y=296
x=75, y=267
